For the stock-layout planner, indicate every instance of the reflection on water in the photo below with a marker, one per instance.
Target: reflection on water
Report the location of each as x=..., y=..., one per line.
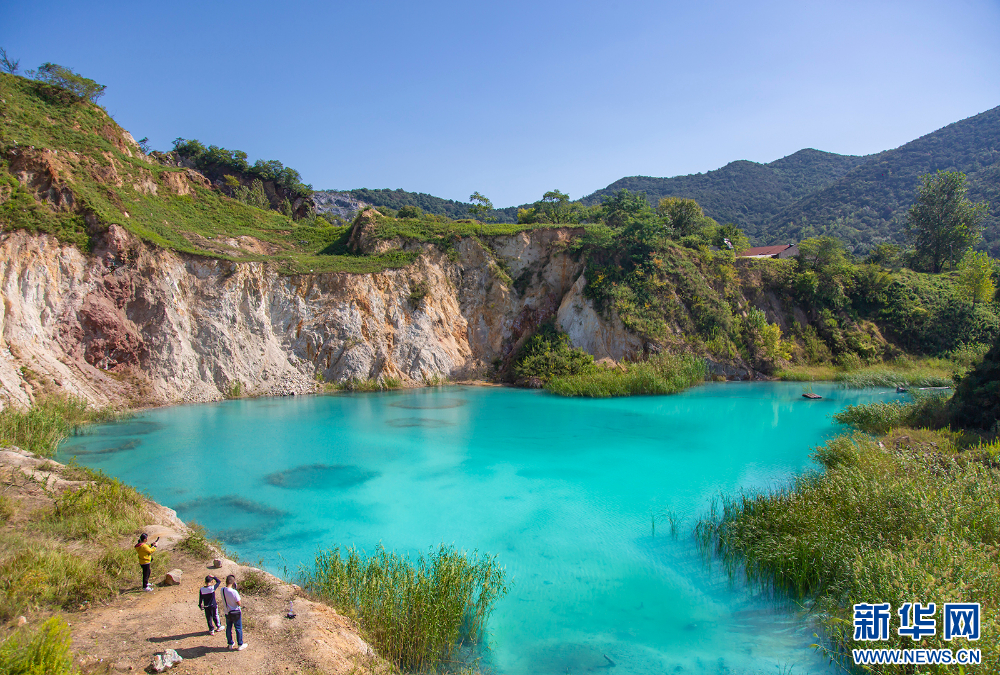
x=561, y=490
x=426, y=422
x=430, y=403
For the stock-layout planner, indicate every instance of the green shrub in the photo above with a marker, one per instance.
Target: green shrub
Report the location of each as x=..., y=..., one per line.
x=977, y=397
x=661, y=374
x=415, y=613
x=548, y=354
x=45, y=651
x=258, y=583
x=196, y=542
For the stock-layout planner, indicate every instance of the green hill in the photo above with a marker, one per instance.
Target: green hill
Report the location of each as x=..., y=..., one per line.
x=742, y=192
x=430, y=204
x=868, y=205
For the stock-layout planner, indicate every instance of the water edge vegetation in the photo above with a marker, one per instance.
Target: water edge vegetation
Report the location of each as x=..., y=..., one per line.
x=907, y=509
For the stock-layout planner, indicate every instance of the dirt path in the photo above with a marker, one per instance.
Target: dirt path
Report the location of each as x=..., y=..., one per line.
x=123, y=634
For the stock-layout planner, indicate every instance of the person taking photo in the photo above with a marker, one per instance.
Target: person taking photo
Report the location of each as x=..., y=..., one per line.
x=145, y=553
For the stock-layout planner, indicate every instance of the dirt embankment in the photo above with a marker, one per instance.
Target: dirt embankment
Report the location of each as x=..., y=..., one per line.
x=123, y=633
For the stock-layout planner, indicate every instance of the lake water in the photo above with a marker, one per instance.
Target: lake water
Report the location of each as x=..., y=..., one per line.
x=565, y=492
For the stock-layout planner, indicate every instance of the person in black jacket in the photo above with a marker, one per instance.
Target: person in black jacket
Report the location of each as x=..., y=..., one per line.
x=207, y=601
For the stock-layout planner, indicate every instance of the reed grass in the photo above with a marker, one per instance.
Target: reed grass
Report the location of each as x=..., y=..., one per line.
x=891, y=377
x=660, y=374
x=892, y=522
x=42, y=427
x=416, y=613
x=42, y=651
x=906, y=372
x=879, y=417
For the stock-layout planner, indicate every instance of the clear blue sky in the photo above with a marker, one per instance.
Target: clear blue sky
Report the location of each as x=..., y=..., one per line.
x=515, y=98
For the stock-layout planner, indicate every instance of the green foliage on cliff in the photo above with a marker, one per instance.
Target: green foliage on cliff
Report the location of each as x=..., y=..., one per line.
x=823, y=306
x=214, y=157
x=36, y=651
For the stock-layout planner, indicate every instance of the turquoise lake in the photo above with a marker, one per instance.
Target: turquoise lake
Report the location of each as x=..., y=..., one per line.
x=564, y=491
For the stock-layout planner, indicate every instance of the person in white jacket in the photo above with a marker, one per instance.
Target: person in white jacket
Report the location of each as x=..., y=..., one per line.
x=234, y=614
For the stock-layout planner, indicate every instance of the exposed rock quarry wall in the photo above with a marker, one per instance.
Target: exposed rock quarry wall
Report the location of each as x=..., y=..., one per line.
x=135, y=323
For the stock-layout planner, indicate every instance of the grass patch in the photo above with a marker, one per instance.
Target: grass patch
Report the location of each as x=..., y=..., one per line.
x=660, y=374
x=104, y=509
x=370, y=384
x=418, y=613
x=926, y=372
x=8, y=508
x=912, y=519
x=45, y=650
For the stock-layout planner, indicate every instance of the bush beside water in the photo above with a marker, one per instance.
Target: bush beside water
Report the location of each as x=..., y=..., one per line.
x=417, y=614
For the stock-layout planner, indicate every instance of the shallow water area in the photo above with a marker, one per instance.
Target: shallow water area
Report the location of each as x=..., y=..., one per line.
x=572, y=495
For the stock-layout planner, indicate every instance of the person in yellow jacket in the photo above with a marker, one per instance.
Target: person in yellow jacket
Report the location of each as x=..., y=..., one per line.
x=145, y=553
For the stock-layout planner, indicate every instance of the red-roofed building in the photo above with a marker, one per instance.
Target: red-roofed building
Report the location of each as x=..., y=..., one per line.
x=779, y=251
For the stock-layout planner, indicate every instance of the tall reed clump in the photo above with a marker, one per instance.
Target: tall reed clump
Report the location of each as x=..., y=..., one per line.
x=890, y=377
x=42, y=427
x=42, y=651
x=418, y=613
x=924, y=410
x=660, y=374
x=884, y=523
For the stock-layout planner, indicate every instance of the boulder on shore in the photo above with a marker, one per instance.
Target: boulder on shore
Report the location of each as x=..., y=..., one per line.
x=165, y=660
x=173, y=578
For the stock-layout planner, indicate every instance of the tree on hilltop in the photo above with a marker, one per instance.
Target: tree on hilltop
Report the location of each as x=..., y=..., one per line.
x=76, y=86
x=8, y=65
x=943, y=223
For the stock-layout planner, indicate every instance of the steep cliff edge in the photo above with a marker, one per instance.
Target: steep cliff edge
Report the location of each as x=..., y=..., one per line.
x=137, y=323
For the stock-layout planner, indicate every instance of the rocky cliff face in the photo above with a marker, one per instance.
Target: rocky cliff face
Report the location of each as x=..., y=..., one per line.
x=135, y=323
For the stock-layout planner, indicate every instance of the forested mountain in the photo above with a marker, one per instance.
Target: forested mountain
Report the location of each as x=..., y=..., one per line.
x=743, y=192
x=394, y=199
x=861, y=200
x=868, y=205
